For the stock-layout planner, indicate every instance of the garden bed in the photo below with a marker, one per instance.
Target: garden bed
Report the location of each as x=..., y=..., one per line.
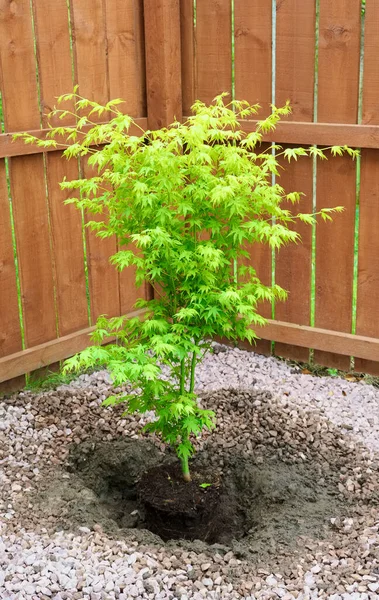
x=296, y=456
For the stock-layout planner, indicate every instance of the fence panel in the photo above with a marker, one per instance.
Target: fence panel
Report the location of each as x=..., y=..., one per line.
x=54, y=57
x=101, y=45
x=368, y=263
x=295, y=81
x=338, y=83
x=27, y=175
x=253, y=82
x=213, y=48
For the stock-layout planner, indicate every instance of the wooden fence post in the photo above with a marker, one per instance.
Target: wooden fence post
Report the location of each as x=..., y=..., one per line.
x=163, y=62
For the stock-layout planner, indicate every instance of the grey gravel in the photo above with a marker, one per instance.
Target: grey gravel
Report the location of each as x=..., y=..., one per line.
x=37, y=429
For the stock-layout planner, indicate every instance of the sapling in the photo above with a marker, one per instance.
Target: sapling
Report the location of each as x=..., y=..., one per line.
x=187, y=204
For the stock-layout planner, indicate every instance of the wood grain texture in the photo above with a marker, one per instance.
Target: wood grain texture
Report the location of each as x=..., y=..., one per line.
x=213, y=48
x=188, y=42
x=127, y=80
x=89, y=34
x=49, y=352
x=54, y=56
x=126, y=55
x=368, y=256
x=91, y=52
x=368, y=261
x=339, y=61
x=163, y=63
x=10, y=332
x=67, y=243
x=293, y=262
x=103, y=277
x=27, y=173
x=261, y=261
x=295, y=51
x=335, y=253
x=33, y=249
x=10, y=147
x=322, y=339
x=295, y=57
x=253, y=39
x=337, y=103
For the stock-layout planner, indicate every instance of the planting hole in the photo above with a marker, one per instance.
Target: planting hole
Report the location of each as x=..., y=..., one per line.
x=254, y=506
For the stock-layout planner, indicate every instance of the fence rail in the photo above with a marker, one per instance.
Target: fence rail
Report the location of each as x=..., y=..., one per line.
x=161, y=55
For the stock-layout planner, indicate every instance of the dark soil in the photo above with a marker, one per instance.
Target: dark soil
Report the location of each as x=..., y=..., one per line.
x=176, y=509
x=261, y=509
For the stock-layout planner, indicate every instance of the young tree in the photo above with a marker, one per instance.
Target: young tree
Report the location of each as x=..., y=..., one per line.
x=193, y=199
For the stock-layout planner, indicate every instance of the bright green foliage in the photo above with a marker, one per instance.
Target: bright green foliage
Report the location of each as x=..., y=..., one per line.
x=193, y=199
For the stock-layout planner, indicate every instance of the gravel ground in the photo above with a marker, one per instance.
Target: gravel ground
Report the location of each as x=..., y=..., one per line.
x=278, y=413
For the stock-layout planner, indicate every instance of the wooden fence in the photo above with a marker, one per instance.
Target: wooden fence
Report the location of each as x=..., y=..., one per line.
x=160, y=55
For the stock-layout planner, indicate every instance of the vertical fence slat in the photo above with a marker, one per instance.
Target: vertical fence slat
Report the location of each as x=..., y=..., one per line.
x=213, y=48
x=89, y=31
x=253, y=82
x=126, y=55
x=127, y=81
x=163, y=65
x=187, y=33
x=10, y=332
x=27, y=175
x=252, y=32
x=293, y=262
x=336, y=178
x=295, y=56
x=368, y=255
x=56, y=78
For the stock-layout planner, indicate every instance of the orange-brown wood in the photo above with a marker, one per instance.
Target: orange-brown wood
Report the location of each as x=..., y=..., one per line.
x=10, y=332
x=295, y=56
x=127, y=80
x=252, y=33
x=21, y=112
x=54, y=56
x=33, y=249
x=91, y=51
x=187, y=32
x=253, y=38
x=213, y=48
x=103, y=277
x=125, y=43
x=163, y=64
x=10, y=147
x=293, y=262
x=321, y=339
x=368, y=263
x=48, y=353
x=286, y=132
x=67, y=242
x=338, y=103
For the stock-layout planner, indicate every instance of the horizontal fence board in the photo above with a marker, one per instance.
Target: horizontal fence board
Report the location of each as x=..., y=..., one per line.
x=49, y=352
x=10, y=147
x=286, y=132
x=320, y=339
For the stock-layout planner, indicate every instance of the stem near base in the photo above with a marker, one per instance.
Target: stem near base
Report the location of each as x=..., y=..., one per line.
x=185, y=469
